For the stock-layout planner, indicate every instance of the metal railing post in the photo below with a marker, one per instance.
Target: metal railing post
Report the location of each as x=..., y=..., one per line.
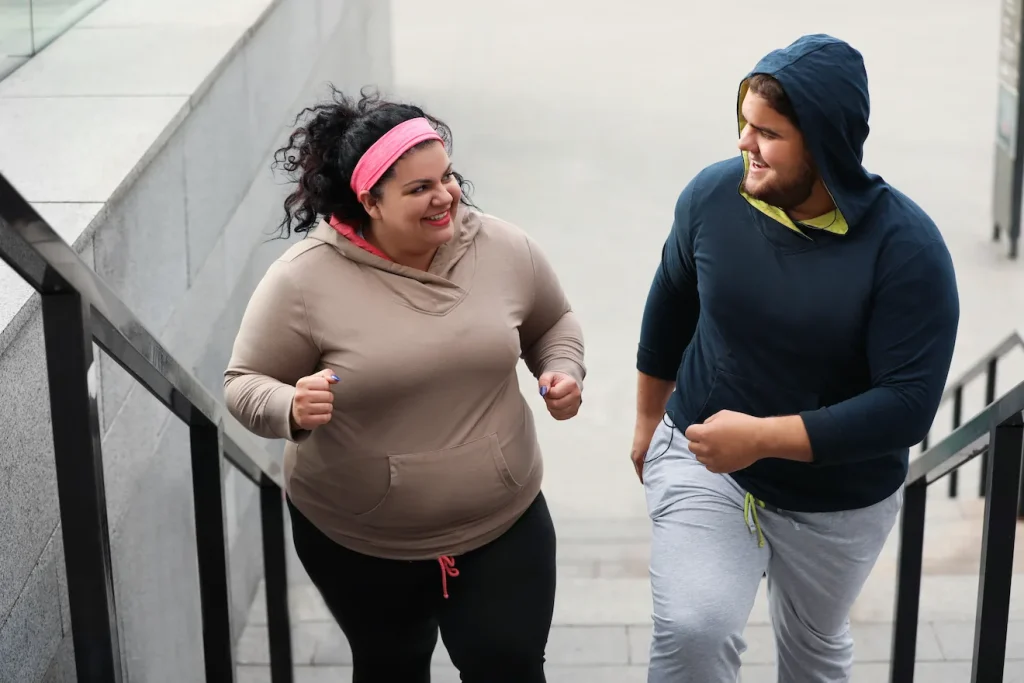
x=212, y=549
x=958, y=411
x=997, y=542
x=276, y=580
x=1020, y=499
x=908, y=583
x=80, y=309
x=80, y=487
x=990, y=397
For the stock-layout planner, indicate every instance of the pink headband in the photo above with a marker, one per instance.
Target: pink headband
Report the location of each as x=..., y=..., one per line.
x=383, y=153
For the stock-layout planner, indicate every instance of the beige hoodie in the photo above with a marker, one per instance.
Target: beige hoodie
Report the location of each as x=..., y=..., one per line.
x=432, y=449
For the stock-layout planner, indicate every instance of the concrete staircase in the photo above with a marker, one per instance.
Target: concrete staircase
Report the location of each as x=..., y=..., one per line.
x=602, y=625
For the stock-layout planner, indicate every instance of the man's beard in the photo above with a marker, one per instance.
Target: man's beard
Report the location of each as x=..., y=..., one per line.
x=789, y=195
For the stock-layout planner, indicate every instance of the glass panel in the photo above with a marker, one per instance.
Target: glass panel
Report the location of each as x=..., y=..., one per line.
x=50, y=18
x=15, y=34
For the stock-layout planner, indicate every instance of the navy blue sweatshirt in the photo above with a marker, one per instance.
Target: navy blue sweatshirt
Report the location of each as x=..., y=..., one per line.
x=852, y=330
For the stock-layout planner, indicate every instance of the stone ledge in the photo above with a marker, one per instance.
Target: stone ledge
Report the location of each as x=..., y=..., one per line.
x=84, y=118
x=120, y=14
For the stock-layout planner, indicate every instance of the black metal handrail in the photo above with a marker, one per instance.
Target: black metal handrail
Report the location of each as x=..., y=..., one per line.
x=78, y=308
x=998, y=433
x=989, y=365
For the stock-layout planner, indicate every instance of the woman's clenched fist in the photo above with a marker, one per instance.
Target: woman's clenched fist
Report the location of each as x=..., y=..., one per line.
x=313, y=403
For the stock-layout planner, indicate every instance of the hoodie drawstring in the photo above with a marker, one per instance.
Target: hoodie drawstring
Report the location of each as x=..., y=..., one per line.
x=447, y=569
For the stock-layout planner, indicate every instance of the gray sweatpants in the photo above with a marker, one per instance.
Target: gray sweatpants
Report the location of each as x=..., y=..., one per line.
x=709, y=552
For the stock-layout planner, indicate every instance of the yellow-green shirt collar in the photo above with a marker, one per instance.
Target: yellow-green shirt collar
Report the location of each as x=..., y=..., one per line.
x=832, y=221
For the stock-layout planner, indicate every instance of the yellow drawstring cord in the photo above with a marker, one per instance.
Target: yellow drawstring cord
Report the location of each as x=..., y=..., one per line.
x=750, y=505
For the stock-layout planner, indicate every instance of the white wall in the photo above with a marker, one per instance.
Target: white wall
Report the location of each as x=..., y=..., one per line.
x=182, y=238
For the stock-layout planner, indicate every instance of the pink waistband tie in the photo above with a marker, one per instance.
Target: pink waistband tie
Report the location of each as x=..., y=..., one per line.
x=447, y=569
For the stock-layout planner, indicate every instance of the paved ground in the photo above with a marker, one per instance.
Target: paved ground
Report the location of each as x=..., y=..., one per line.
x=602, y=623
x=581, y=120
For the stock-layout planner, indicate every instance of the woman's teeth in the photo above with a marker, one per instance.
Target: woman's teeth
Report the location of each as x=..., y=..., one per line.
x=438, y=216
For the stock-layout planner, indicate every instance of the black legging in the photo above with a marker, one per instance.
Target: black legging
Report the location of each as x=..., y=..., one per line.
x=494, y=622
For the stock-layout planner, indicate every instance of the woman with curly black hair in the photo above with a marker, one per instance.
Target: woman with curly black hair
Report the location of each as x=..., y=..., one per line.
x=383, y=347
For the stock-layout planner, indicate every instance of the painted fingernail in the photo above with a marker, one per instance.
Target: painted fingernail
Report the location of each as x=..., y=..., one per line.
x=543, y=391
x=335, y=378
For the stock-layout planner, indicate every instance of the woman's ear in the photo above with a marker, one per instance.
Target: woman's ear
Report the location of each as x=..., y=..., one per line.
x=370, y=204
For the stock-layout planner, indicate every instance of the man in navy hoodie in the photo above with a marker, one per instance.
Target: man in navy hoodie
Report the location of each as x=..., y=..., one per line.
x=794, y=346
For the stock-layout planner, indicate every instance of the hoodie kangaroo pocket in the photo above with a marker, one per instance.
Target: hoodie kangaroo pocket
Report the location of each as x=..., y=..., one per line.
x=444, y=488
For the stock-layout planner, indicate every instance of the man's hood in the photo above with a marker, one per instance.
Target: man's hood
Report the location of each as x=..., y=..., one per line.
x=827, y=84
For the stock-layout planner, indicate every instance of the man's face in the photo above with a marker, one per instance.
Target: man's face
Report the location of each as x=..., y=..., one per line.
x=781, y=170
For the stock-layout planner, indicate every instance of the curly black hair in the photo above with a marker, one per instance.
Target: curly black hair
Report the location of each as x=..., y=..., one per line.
x=322, y=153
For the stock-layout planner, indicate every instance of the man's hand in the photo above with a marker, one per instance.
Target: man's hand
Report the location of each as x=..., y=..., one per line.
x=561, y=393
x=652, y=394
x=643, y=433
x=637, y=454
x=727, y=441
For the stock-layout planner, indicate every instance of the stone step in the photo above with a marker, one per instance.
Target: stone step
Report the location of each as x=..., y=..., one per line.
x=444, y=674
x=615, y=602
x=575, y=650
x=621, y=548
x=321, y=643
x=602, y=629
x=611, y=557
x=932, y=672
